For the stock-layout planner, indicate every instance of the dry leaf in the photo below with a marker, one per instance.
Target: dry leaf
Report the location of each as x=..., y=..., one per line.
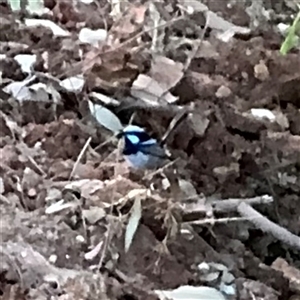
x=93, y=214
x=150, y=91
x=166, y=71
x=133, y=222
x=289, y=272
x=198, y=123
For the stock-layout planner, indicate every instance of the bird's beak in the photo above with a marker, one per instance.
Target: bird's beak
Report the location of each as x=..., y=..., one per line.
x=119, y=134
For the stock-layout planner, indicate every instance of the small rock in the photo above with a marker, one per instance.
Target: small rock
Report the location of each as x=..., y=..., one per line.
x=261, y=71
x=223, y=92
x=32, y=193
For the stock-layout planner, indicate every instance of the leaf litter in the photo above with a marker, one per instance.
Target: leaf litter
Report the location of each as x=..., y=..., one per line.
x=205, y=77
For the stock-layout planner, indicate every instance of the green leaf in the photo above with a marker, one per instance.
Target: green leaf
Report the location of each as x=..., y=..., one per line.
x=15, y=5
x=105, y=117
x=35, y=7
x=292, y=39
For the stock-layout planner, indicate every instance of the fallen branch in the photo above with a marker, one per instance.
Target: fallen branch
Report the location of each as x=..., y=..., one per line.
x=196, y=211
x=268, y=226
x=232, y=204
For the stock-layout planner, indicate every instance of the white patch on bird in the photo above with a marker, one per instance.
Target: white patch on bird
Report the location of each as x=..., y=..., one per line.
x=150, y=142
x=133, y=128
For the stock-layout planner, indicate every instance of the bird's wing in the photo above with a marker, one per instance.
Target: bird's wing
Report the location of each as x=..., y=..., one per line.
x=154, y=150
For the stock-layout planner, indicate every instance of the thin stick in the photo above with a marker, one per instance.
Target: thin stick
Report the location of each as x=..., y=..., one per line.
x=37, y=166
x=197, y=49
x=104, y=143
x=212, y=221
x=109, y=232
x=176, y=121
x=128, y=42
x=140, y=34
x=80, y=157
x=159, y=170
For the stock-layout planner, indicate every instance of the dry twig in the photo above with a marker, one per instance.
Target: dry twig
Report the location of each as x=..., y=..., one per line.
x=268, y=226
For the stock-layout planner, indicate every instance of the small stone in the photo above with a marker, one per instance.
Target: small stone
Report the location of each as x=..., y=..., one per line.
x=32, y=193
x=261, y=71
x=223, y=92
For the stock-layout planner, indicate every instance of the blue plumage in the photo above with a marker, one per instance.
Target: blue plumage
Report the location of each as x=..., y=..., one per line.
x=140, y=150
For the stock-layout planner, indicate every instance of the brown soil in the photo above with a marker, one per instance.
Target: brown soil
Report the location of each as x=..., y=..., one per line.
x=236, y=157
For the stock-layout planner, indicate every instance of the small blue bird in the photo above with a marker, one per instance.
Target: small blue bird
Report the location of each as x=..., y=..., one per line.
x=140, y=150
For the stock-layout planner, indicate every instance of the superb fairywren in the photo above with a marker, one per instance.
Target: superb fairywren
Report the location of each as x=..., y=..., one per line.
x=140, y=150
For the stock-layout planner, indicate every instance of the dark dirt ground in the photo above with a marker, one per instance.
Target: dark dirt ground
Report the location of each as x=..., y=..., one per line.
x=234, y=155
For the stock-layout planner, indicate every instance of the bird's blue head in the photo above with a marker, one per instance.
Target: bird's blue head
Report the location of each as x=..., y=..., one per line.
x=140, y=150
x=135, y=138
